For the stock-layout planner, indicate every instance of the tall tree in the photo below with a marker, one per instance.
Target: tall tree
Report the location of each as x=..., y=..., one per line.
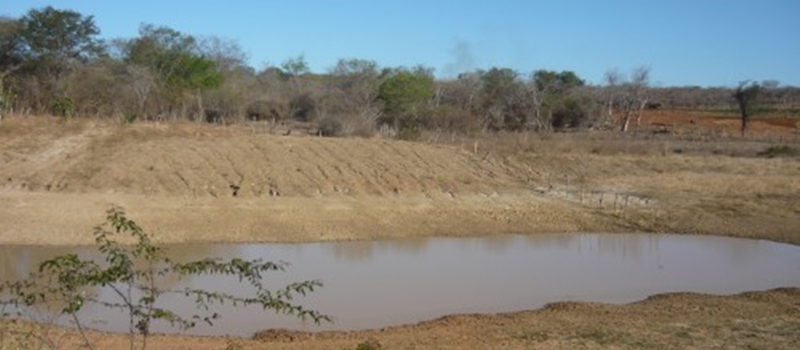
x=501, y=91
x=10, y=59
x=746, y=95
x=227, y=54
x=295, y=69
x=160, y=49
x=182, y=71
x=556, y=82
x=612, y=79
x=353, y=88
x=406, y=95
x=231, y=99
x=10, y=45
x=547, y=90
x=631, y=95
x=53, y=41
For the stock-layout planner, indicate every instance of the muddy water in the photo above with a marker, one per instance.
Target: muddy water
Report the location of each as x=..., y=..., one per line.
x=381, y=283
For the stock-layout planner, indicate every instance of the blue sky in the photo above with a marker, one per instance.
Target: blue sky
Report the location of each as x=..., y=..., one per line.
x=684, y=42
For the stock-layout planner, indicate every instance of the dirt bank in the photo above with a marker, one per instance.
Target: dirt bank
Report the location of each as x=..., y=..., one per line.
x=755, y=320
x=189, y=182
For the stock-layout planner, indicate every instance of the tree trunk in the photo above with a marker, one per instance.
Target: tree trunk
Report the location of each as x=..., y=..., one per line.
x=201, y=113
x=745, y=116
x=642, y=104
x=626, y=120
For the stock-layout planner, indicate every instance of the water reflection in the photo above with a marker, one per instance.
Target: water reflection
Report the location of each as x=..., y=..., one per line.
x=381, y=283
x=18, y=262
x=356, y=251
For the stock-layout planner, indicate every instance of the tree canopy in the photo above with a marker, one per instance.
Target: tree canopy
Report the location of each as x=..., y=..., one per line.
x=48, y=43
x=405, y=95
x=59, y=36
x=52, y=61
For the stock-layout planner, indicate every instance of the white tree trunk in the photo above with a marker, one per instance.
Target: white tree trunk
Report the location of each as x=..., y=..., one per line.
x=639, y=113
x=625, y=122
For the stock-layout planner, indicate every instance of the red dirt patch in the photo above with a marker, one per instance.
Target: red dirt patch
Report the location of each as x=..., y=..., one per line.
x=682, y=120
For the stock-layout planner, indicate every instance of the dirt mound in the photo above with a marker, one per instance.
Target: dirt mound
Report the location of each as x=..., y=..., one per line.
x=179, y=181
x=195, y=182
x=200, y=161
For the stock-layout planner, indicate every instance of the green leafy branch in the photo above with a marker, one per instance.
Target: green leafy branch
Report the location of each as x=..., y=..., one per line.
x=132, y=273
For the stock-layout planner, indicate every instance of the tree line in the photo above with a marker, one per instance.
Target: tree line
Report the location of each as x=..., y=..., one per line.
x=52, y=61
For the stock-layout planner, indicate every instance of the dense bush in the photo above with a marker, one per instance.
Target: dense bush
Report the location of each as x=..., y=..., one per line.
x=569, y=114
x=330, y=126
x=303, y=107
x=265, y=110
x=163, y=74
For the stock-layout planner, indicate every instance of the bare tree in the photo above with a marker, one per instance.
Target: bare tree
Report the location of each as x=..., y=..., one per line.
x=640, y=83
x=4, y=97
x=141, y=83
x=612, y=79
x=536, y=94
x=228, y=55
x=631, y=96
x=353, y=88
x=467, y=89
x=746, y=95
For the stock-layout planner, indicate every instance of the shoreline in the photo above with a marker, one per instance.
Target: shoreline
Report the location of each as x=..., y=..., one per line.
x=699, y=311
x=59, y=180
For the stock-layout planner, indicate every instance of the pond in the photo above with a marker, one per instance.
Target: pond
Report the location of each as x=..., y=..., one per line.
x=374, y=284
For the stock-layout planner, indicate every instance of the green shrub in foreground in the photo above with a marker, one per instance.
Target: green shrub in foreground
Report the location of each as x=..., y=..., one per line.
x=133, y=273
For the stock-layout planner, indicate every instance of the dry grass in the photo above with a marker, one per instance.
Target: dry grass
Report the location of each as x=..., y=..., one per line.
x=757, y=320
x=692, y=181
x=709, y=185
x=605, y=181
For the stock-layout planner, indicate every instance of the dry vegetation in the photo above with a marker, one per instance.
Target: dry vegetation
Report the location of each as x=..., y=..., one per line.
x=224, y=152
x=59, y=176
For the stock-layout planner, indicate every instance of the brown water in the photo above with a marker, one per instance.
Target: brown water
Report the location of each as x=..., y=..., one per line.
x=376, y=284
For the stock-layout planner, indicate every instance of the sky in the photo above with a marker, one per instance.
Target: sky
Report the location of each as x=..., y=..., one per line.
x=683, y=42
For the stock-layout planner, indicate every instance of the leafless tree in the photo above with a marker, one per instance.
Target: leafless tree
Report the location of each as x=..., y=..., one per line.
x=228, y=55
x=746, y=95
x=141, y=82
x=640, y=83
x=535, y=94
x=631, y=96
x=612, y=78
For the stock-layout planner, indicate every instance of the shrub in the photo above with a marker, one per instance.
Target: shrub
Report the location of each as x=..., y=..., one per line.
x=369, y=344
x=133, y=273
x=777, y=151
x=330, y=126
x=265, y=110
x=303, y=107
x=569, y=114
x=454, y=119
x=63, y=107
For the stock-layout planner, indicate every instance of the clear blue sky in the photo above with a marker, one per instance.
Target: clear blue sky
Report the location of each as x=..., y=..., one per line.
x=684, y=42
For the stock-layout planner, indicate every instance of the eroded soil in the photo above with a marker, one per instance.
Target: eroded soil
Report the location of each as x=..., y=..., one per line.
x=190, y=182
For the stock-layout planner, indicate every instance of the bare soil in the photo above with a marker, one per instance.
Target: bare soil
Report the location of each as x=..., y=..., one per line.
x=676, y=172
